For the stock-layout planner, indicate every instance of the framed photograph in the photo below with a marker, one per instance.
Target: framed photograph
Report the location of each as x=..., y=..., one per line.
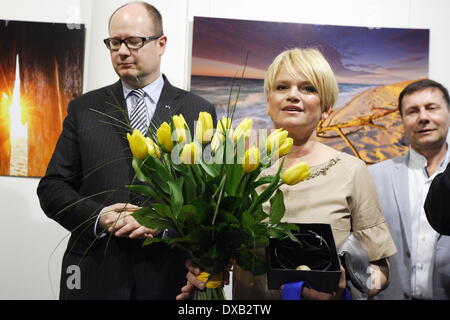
x=372, y=66
x=41, y=70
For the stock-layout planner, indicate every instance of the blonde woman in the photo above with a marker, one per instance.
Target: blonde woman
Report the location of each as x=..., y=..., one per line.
x=300, y=87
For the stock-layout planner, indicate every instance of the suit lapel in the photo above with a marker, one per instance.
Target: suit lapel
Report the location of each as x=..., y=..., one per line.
x=115, y=109
x=166, y=106
x=401, y=193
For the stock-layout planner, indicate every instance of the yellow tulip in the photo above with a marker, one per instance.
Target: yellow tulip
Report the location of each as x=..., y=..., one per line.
x=285, y=147
x=138, y=144
x=223, y=127
x=276, y=139
x=164, y=135
x=180, y=128
x=251, y=159
x=153, y=148
x=191, y=153
x=224, y=124
x=243, y=129
x=279, y=142
x=204, y=127
x=296, y=173
x=215, y=142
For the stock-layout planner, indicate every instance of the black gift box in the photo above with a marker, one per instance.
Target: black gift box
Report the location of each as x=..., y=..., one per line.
x=318, y=252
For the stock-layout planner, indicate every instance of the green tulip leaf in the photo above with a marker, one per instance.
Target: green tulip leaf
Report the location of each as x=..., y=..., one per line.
x=189, y=216
x=277, y=207
x=176, y=195
x=234, y=174
x=211, y=170
x=148, y=218
x=262, y=181
x=260, y=215
x=144, y=190
x=275, y=232
x=163, y=211
x=158, y=168
x=247, y=220
x=247, y=260
x=149, y=241
x=137, y=164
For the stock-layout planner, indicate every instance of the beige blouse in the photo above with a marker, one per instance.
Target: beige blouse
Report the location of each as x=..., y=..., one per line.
x=346, y=198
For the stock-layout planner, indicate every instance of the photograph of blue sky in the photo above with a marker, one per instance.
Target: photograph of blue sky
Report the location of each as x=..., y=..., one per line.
x=358, y=55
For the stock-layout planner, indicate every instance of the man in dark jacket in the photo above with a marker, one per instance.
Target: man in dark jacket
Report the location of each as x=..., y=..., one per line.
x=84, y=186
x=437, y=204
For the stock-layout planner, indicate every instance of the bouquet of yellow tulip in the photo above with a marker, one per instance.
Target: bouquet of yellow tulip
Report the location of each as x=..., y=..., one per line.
x=203, y=189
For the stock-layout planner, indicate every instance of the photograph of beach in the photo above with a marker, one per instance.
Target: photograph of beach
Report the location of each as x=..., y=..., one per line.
x=372, y=66
x=41, y=70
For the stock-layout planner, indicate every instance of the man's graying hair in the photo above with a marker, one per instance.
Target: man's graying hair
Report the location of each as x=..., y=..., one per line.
x=153, y=13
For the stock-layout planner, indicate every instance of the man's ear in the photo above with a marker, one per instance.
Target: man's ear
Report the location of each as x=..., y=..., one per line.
x=162, y=44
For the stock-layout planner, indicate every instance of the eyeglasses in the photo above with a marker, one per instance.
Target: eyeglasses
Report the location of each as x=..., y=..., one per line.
x=132, y=43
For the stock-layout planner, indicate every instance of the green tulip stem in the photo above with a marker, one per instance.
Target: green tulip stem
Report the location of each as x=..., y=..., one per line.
x=166, y=163
x=209, y=294
x=221, y=188
x=245, y=179
x=160, y=192
x=196, y=178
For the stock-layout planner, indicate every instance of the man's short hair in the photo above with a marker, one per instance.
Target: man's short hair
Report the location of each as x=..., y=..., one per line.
x=421, y=85
x=153, y=13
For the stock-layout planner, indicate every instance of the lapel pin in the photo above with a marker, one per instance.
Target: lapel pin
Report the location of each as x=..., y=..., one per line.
x=167, y=106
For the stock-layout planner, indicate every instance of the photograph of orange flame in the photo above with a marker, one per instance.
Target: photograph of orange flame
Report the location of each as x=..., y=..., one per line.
x=41, y=70
x=372, y=66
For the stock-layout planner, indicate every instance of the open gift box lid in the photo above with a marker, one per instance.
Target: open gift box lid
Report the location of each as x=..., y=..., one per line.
x=318, y=253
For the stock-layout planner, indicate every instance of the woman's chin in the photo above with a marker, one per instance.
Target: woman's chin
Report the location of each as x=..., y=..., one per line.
x=291, y=124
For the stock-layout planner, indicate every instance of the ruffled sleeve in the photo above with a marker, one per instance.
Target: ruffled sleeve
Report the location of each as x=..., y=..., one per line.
x=368, y=223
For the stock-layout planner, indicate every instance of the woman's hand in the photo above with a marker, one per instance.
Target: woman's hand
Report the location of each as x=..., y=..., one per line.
x=312, y=294
x=192, y=281
x=379, y=276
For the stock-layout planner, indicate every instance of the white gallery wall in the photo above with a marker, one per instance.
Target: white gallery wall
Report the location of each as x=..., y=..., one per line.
x=31, y=245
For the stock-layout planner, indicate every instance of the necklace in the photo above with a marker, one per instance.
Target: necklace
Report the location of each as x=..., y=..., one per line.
x=315, y=174
x=323, y=171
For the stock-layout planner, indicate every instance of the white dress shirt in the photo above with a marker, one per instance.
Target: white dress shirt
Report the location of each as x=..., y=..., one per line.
x=423, y=236
x=151, y=98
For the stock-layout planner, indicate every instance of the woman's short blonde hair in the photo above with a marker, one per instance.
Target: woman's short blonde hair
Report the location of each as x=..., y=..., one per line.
x=310, y=63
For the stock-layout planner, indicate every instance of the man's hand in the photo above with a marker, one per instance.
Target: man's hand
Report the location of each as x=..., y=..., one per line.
x=117, y=220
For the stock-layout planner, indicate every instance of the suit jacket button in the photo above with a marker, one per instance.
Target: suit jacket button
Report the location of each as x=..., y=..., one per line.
x=408, y=254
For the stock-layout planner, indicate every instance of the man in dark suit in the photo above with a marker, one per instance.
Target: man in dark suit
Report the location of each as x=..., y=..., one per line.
x=84, y=187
